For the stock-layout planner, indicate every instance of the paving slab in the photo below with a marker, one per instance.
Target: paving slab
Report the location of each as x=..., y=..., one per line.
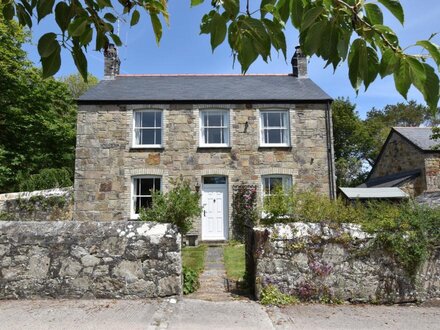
x=213, y=278
x=182, y=313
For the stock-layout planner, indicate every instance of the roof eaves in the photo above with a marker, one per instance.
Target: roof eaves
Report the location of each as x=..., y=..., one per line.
x=202, y=101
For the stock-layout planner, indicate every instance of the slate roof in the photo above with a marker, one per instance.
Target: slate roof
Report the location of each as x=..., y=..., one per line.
x=419, y=136
x=204, y=88
x=392, y=180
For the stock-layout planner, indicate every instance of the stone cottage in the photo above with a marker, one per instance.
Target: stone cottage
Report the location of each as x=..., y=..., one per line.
x=137, y=132
x=408, y=160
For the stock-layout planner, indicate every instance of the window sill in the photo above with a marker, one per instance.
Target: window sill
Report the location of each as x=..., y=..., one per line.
x=275, y=147
x=145, y=149
x=216, y=148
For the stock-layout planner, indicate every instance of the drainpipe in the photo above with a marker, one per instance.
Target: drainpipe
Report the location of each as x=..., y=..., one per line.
x=330, y=152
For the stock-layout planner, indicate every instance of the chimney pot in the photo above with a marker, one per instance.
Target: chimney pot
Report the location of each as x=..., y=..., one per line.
x=111, y=62
x=299, y=63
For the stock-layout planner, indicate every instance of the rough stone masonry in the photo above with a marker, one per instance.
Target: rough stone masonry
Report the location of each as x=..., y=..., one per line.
x=69, y=259
x=316, y=261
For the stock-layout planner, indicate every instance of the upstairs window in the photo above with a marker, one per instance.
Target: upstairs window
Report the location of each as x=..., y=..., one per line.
x=214, y=128
x=274, y=128
x=147, y=128
x=142, y=191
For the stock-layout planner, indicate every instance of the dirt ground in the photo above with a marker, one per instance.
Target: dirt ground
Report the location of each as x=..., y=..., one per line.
x=197, y=314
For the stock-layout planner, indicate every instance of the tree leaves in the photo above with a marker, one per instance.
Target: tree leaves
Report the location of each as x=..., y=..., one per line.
x=44, y=8
x=374, y=14
x=157, y=27
x=47, y=44
x=62, y=15
x=135, y=17
x=332, y=30
x=52, y=63
x=196, y=2
x=395, y=8
x=433, y=50
x=402, y=78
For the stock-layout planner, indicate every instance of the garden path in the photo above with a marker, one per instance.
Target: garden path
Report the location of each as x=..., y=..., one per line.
x=213, y=278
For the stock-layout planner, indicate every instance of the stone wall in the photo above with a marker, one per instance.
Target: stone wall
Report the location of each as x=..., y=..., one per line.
x=106, y=162
x=40, y=205
x=316, y=261
x=69, y=259
x=432, y=173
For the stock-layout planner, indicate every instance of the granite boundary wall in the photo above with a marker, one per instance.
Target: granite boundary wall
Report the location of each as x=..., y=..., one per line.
x=40, y=205
x=311, y=260
x=69, y=259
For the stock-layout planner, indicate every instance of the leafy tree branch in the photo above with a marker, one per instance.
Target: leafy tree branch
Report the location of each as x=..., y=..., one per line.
x=335, y=30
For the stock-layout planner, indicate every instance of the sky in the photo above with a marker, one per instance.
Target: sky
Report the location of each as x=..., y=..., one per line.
x=183, y=50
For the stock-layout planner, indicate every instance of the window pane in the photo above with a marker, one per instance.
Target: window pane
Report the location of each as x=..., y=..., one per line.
x=266, y=186
x=205, y=119
x=148, y=119
x=147, y=136
x=275, y=183
x=215, y=135
x=137, y=136
x=158, y=136
x=274, y=119
x=146, y=186
x=157, y=184
x=158, y=119
x=142, y=202
x=215, y=119
x=275, y=136
x=137, y=119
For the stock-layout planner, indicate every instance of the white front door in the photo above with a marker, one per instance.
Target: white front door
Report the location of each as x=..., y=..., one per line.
x=215, y=211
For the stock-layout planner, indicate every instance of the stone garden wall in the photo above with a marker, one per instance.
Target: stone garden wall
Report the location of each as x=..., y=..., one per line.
x=318, y=262
x=69, y=259
x=40, y=205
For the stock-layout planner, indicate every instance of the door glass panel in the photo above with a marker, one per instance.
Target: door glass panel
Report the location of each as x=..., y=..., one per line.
x=214, y=180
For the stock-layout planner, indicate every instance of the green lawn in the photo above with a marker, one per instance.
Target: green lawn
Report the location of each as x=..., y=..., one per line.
x=194, y=257
x=234, y=261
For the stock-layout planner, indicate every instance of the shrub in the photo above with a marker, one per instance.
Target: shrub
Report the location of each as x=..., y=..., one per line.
x=178, y=206
x=271, y=295
x=244, y=211
x=47, y=178
x=190, y=280
x=308, y=206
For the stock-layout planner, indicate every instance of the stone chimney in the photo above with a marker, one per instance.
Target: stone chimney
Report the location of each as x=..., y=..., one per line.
x=299, y=63
x=111, y=62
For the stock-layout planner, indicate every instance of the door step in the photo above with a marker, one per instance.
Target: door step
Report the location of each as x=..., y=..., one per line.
x=214, y=243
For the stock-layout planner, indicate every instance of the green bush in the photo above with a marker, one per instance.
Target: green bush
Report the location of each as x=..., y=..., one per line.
x=271, y=295
x=47, y=178
x=190, y=280
x=178, y=206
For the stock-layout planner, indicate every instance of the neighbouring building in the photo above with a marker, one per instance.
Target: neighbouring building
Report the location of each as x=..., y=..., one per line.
x=409, y=160
x=138, y=132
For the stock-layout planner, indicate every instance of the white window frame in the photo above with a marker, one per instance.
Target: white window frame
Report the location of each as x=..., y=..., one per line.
x=286, y=128
x=134, y=196
x=285, y=179
x=135, y=144
x=225, y=126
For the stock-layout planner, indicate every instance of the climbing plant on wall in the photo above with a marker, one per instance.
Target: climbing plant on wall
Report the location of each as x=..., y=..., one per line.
x=244, y=208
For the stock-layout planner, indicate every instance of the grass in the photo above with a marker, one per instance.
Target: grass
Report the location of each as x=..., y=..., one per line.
x=234, y=261
x=194, y=257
